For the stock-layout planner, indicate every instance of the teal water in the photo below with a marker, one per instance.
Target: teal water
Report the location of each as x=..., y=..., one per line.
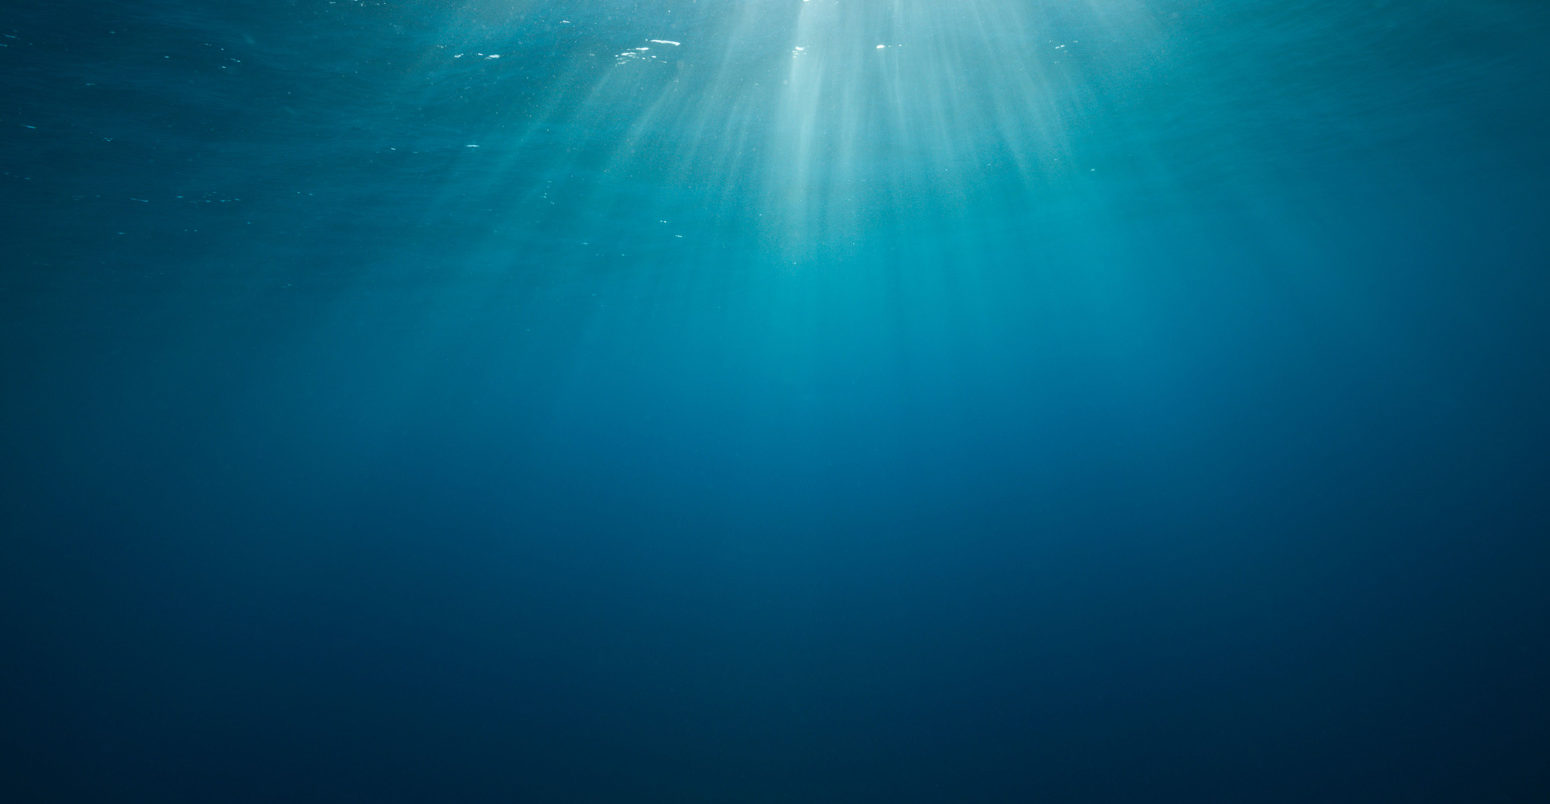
x=842, y=400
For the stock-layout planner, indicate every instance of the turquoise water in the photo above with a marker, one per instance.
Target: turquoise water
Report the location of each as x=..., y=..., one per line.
x=762, y=401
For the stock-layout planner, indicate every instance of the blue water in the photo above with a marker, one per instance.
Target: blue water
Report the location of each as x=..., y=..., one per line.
x=775, y=401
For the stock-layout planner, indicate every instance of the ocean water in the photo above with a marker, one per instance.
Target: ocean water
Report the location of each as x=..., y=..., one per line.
x=775, y=401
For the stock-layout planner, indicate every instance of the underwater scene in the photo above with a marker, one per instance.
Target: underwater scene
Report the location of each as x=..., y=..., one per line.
x=751, y=401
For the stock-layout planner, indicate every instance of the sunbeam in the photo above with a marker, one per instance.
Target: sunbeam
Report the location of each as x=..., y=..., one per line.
x=849, y=123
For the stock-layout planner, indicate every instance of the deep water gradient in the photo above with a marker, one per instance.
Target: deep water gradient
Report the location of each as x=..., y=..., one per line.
x=775, y=401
